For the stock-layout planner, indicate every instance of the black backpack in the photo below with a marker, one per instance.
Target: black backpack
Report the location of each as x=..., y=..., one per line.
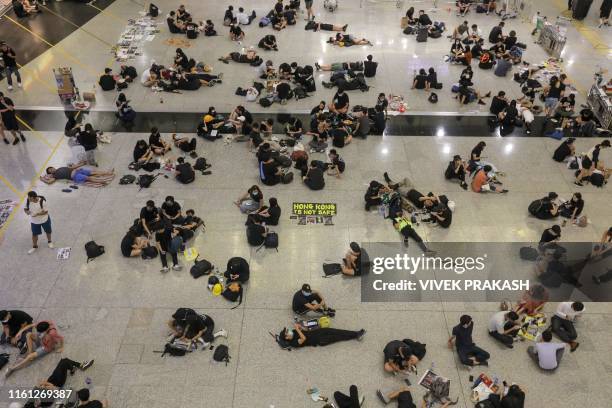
x=433, y=97
x=300, y=93
x=534, y=207
x=93, y=250
x=271, y=240
x=173, y=351
x=4, y=359
x=153, y=10
x=221, y=354
x=127, y=179
x=418, y=349
x=201, y=268
x=265, y=102
x=145, y=180
x=233, y=295
x=149, y=252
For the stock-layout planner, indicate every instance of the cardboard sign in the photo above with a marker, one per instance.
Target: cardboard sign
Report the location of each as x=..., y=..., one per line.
x=315, y=209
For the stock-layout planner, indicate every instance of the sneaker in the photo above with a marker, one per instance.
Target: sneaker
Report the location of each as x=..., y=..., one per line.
x=86, y=364
x=23, y=139
x=221, y=333
x=578, y=183
x=32, y=250
x=406, y=244
x=362, y=333
x=18, y=84
x=50, y=245
x=177, y=267
x=10, y=87
x=164, y=269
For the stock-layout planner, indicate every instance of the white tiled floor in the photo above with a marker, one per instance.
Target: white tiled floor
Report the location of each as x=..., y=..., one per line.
x=115, y=308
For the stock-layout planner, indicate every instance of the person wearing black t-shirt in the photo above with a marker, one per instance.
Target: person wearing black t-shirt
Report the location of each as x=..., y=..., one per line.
x=469, y=353
x=573, y=208
x=107, y=81
x=340, y=103
x=184, y=172
x=549, y=237
x=318, y=337
x=269, y=215
x=84, y=401
x=314, y=178
x=420, y=80
x=171, y=210
x=88, y=138
x=424, y=19
x=340, y=137
x=379, y=120
x=7, y=113
x=269, y=172
x=10, y=65
x=369, y=67
x=164, y=236
x=456, y=170
x=13, y=322
x=566, y=149
x=336, y=165
x=307, y=300
x=554, y=94
x=283, y=92
x=132, y=245
x=156, y=143
x=442, y=216
x=255, y=139
x=255, y=232
x=149, y=214
x=58, y=377
x=496, y=33
x=498, y=103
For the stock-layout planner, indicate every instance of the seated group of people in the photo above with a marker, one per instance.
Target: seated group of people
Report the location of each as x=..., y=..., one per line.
x=185, y=75
x=588, y=167
x=484, y=174
x=281, y=15
x=180, y=21
x=161, y=231
x=109, y=81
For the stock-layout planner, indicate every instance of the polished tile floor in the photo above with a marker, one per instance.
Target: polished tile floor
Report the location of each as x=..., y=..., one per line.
x=114, y=309
x=87, y=52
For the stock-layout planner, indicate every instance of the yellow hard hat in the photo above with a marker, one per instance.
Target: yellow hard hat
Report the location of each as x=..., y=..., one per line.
x=217, y=289
x=208, y=118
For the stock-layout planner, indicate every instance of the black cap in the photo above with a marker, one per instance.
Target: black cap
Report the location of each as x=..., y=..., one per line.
x=306, y=288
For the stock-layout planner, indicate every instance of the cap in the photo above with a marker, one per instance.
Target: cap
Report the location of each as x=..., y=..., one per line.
x=306, y=288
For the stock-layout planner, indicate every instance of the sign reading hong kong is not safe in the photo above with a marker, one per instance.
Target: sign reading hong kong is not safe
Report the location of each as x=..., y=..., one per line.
x=316, y=209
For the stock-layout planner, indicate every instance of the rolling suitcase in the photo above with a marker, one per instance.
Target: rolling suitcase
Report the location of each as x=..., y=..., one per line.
x=422, y=34
x=580, y=8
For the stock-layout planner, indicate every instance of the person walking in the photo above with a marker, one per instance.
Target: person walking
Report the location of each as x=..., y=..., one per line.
x=7, y=112
x=310, y=14
x=36, y=208
x=10, y=65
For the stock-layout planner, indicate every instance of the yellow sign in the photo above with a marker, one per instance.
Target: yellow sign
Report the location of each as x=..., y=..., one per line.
x=317, y=209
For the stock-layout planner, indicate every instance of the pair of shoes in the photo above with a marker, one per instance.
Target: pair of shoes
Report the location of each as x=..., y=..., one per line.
x=50, y=244
x=10, y=87
x=386, y=177
x=221, y=333
x=362, y=333
x=164, y=269
x=86, y=364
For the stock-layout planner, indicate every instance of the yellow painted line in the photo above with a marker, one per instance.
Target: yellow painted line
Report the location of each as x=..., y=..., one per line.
x=34, y=132
x=11, y=186
x=589, y=33
x=77, y=26
x=32, y=184
x=108, y=13
x=73, y=58
x=37, y=78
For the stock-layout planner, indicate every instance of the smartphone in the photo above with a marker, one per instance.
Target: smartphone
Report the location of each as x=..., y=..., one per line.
x=471, y=378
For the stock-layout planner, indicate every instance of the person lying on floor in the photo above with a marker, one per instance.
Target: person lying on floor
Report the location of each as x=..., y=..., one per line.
x=308, y=301
x=185, y=144
x=80, y=175
x=340, y=66
x=346, y=40
x=318, y=337
x=41, y=339
x=59, y=376
x=190, y=327
x=403, y=225
x=327, y=27
x=461, y=338
x=248, y=58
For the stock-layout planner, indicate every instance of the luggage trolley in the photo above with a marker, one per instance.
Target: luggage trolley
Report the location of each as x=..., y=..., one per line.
x=66, y=88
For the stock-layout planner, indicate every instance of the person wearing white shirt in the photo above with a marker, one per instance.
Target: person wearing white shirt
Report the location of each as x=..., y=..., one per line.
x=548, y=355
x=563, y=322
x=39, y=219
x=504, y=327
x=243, y=18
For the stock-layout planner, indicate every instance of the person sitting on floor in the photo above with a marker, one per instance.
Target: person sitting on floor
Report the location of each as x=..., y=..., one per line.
x=562, y=323
x=184, y=172
x=132, y=245
x=268, y=43
x=307, y=301
x=467, y=95
x=402, y=356
x=547, y=207
x=84, y=402
x=171, y=211
x=185, y=144
x=298, y=337
x=336, y=165
x=314, y=177
x=421, y=81
x=482, y=183
x=251, y=201
x=546, y=353
x=237, y=270
x=352, y=263
x=532, y=301
x=44, y=339
x=80, y=175
x=504, y=327
x=175, y=26
x=270, y=215
x=107, y=81
x=457, y=170
x=158, y=145
x=469, y=353
x=255, y=231
x=236, y=33
x=189, y=326
x=142, y=153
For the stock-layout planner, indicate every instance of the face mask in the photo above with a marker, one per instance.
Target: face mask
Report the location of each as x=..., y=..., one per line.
x=306, y=293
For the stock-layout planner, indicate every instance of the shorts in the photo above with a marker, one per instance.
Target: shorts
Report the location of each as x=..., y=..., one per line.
x=80, y=176
x=40, y=351
x=37, y=229
x=308, y=3
x=550, y=103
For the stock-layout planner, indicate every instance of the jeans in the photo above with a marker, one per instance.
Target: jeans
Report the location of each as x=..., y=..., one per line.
x=531, y=350
x=347, y=401
x=564, y=329
x=472, y=351
x=9, y=71
x=164, y=259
